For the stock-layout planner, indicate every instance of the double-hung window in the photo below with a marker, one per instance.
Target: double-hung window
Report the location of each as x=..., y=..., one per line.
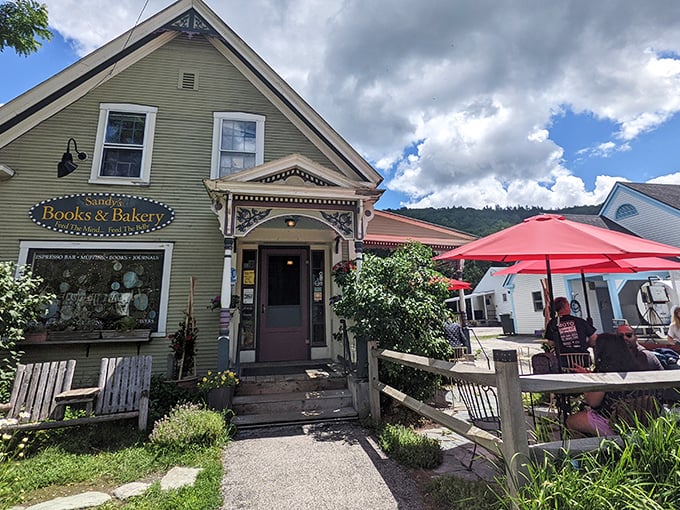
x=238, y=142
x=124, y=144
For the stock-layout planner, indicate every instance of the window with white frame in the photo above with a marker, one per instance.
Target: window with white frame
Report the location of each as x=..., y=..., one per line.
x=96, y=284
x=537, y=298
x=238, y=142
x=124, y=144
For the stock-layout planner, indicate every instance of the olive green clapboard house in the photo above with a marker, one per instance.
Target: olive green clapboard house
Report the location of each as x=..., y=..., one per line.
x=201, y=163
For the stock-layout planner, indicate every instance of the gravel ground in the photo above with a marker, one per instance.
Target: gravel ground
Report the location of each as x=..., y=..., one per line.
x=328, y=466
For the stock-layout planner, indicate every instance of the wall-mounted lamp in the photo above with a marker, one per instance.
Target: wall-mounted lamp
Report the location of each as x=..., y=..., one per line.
x=6, y=172
x=290, y=221
x=66, y=165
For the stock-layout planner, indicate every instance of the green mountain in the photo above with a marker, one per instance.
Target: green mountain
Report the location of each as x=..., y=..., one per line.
x=482, y=222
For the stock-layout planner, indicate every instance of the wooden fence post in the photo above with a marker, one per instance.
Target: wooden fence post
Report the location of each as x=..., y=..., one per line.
x=373, y=391
x=513, y=421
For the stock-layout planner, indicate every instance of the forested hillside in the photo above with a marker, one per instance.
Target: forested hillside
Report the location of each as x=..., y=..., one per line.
x=481, y=222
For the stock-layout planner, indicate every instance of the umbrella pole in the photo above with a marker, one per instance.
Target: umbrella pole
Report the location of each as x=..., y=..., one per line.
x=563, y=400
x=585, y=296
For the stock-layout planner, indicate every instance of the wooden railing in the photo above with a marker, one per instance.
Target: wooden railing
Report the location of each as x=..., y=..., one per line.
x=513, y=444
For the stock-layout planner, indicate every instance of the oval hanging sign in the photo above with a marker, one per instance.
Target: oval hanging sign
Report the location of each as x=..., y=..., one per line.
x=102, y=214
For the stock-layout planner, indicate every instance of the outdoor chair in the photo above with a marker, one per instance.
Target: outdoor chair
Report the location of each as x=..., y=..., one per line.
x=36, y=385
x=481, y=403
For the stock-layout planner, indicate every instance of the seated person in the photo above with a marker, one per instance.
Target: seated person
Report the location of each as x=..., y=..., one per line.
x=612, y=354
x=575, y=334
x=454, y=334
x=674, y=328
x=644, y=359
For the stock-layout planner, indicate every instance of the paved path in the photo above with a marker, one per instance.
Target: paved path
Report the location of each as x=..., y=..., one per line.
x=338, y=465
x=330, y=466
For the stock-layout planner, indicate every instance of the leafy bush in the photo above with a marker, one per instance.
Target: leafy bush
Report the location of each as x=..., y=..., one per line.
x=164, y=396
x=454, y=493
x=408, y=447
x=398, y=302
x=186, y=425
x=21, y=301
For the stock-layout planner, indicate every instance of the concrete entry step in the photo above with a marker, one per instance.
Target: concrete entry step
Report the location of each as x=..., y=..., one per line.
x=250, y=421
x=292, y=393
x=290, y=402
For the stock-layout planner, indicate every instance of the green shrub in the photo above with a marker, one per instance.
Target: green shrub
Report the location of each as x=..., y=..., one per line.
x=409, y=448
x=454, y=493
x=165, y=395
x=399, y=302
x=21, y=301
x=186, y=425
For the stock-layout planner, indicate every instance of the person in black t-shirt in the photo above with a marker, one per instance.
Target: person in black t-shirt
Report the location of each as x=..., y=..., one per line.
x=575, y=334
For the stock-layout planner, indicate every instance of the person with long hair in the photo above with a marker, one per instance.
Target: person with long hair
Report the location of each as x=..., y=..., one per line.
x=674, y=328
x=611, y=355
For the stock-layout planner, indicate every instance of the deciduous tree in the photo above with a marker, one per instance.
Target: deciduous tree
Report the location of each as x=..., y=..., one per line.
x=22, y=24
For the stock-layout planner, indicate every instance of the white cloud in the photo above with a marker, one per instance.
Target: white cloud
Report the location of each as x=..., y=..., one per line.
x=474, y=85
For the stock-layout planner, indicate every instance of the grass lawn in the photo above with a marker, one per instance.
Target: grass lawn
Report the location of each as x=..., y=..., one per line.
x=100, y=458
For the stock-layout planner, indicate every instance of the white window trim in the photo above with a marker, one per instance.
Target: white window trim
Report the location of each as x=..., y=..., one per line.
x=24, y=246
x=218, y=117
x=149, y=130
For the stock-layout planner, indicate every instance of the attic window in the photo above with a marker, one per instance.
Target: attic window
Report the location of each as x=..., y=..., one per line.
x=238, y=142
x=626, y=211
x=188, y=80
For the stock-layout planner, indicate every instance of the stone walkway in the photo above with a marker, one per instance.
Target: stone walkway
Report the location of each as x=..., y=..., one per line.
x=176, y=478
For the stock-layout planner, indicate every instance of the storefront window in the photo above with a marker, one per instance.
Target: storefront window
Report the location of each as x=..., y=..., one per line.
x=100, y=286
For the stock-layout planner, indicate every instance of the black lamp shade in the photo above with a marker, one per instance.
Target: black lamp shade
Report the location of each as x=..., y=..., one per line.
x=66, y=165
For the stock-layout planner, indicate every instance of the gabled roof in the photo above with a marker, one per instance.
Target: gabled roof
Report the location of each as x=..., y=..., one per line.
x=389, y=230
x=195, y=18
x=293, y=175
x=668, y=194
x=598, y=221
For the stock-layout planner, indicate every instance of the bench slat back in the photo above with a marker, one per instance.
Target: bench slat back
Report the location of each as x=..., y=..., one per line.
x=123, y=381
x=35, y=386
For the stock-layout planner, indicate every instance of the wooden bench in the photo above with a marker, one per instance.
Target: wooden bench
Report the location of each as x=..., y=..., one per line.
x=33, y=395
x=125, y=384
x=123, y=392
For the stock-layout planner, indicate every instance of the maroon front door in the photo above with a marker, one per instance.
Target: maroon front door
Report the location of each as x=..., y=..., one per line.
x=284, y=305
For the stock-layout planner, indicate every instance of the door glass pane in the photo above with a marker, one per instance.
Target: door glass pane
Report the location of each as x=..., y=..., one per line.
x=283, y=291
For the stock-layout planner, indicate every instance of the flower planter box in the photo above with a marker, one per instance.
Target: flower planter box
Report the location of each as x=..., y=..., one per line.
x=134, y=333
x=65, y=336
x=35, y=337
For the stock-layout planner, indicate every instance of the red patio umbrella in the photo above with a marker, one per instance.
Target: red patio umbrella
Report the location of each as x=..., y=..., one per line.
x=550, y=237
x=459, y=284
x=633, y=265
x=582, y=266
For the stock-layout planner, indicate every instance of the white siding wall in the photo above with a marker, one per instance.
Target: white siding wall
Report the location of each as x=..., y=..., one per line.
x=654, y=221
x=526, y=319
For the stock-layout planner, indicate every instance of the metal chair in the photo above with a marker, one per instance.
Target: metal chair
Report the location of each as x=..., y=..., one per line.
x=481, y=403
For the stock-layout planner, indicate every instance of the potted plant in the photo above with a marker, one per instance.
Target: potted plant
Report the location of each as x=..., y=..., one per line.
x=183, y=346
x=218, y=388
x=126, y=327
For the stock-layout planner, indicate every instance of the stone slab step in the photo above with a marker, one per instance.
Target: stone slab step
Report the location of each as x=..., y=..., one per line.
x=291, y=402
x=293, y=418
x=263, y=386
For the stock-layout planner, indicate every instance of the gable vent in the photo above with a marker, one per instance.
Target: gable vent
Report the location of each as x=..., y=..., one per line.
x=188, y=80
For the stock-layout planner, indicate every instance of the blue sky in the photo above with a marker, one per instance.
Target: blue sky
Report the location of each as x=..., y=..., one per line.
x=460, y=104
